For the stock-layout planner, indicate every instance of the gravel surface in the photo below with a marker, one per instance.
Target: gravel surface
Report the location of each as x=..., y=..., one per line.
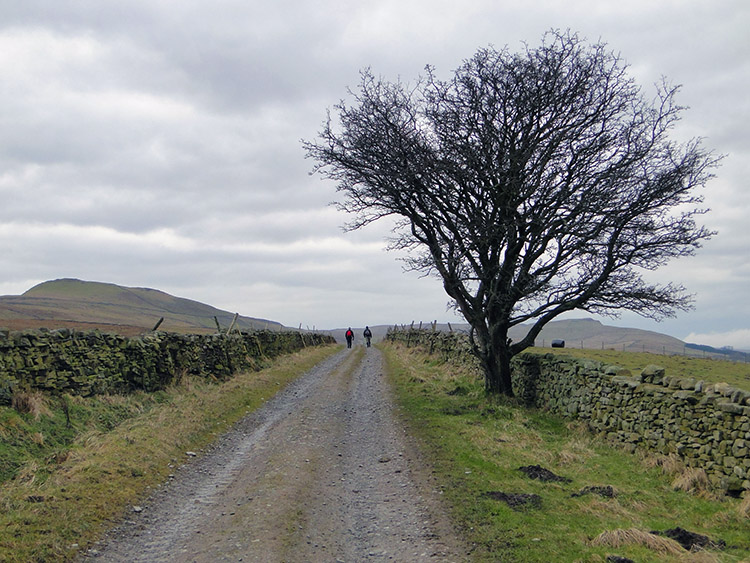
x=323, y=472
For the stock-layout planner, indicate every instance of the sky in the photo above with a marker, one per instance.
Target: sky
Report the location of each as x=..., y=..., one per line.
x=158, y=144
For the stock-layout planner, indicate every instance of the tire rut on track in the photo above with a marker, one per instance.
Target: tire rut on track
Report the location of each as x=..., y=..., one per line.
x=323, y=472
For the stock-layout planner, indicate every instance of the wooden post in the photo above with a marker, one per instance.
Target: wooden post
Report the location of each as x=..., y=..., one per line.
x=161, y=320
x=234, y=320
x=218, y=326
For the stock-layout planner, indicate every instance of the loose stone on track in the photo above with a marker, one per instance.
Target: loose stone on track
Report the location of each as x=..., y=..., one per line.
x=323, y=472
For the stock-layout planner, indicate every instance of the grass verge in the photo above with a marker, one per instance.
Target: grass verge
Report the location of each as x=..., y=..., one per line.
x=607, y=504
x=74, y=466
x=736, y=374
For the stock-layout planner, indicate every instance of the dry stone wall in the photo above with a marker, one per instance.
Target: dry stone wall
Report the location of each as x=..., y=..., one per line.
x=707, y=425
x=451, y=345
x=85, y=363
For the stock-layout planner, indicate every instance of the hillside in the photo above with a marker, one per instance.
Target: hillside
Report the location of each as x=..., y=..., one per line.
x=592, y=334
x=109, y=307
x=589, y=333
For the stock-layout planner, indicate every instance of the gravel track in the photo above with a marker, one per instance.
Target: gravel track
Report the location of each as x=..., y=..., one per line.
x=323, y=472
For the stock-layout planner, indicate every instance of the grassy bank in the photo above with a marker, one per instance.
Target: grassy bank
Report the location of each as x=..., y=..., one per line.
x=73, y=466
x=736, y=374
x=607, y=504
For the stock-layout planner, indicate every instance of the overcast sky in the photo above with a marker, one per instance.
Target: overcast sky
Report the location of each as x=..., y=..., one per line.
x=157, y=144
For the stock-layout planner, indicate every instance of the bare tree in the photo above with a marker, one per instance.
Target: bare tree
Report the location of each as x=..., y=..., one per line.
x=533, y=184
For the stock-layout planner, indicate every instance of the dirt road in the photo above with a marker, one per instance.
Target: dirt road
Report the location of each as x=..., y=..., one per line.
x=323, y=472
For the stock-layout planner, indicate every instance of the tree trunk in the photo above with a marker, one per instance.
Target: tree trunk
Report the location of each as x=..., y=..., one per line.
x=492, y=347
x=496, y=364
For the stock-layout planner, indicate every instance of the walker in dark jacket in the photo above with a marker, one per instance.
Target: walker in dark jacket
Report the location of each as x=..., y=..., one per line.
x=368, y=335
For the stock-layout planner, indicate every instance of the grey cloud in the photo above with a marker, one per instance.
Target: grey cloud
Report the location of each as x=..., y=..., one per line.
x=158, y=143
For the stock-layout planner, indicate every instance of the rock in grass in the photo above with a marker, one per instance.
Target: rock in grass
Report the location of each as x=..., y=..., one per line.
x=516, y=501
x=606, y=491
x=542, y=474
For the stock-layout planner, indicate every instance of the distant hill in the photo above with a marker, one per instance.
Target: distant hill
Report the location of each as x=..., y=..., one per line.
x=726, y=353
x=109, y=307
x=590, y=333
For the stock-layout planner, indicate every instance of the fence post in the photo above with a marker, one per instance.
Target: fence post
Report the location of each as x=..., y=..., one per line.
x=234, y=321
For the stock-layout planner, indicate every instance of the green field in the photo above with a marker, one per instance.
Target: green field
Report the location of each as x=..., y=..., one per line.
x=736, y=374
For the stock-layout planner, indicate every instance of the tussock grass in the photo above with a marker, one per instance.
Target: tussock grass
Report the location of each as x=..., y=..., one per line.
x=31, y=402
x=633, y=536
x=692, y=479
x=689, y=479
x=669, y=465
x=55, y=505
x=744, y=508
x=594, y=505
x=477, y=443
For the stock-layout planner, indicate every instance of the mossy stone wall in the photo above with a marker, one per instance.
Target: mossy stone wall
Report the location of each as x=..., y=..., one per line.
x=85, y=363
x=707, y=425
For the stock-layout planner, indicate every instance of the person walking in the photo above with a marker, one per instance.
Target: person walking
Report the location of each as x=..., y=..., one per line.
x=368, y=335
x=349, y=337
